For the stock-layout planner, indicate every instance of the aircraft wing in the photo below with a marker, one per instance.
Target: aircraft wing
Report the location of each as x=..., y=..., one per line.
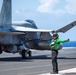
x=23, y=29
x=67, y=27
x=63, y=29
x=11, y=33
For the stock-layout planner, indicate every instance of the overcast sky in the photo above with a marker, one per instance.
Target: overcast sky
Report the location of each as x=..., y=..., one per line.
x=47, y=14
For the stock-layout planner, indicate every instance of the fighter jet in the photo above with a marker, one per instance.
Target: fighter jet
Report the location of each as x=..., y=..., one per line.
x=21, y=37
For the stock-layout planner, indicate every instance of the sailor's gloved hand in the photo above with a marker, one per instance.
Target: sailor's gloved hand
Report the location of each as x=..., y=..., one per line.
x=68, y=39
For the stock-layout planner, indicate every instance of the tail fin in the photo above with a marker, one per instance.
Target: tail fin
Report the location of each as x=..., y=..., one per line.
x=5, y=15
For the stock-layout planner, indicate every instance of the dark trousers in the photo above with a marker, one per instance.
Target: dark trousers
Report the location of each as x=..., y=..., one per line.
x=54, y=60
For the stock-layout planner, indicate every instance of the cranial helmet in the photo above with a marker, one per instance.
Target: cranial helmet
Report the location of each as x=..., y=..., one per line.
x=55, y=35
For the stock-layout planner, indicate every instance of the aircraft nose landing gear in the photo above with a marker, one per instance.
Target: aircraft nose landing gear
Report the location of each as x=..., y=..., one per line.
x=1, y=50
x=29, y=53
x=26, y=53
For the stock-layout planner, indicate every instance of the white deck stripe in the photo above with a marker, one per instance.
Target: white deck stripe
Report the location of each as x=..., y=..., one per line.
x=73, y=70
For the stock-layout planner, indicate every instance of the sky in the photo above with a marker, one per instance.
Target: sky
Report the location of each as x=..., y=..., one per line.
x=47, y=14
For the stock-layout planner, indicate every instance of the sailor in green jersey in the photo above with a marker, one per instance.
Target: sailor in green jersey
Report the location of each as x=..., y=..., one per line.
x=55, y=47
x=56, y=43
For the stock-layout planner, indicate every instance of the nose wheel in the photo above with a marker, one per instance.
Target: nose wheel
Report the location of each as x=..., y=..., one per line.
x=29, y=53
x=1, y=50
x=26, y=53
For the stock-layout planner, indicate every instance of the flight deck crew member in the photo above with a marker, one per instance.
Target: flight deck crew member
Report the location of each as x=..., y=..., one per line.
x=55, y=47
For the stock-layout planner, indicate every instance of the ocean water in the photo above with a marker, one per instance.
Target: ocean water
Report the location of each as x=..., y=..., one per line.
x=69, y=44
